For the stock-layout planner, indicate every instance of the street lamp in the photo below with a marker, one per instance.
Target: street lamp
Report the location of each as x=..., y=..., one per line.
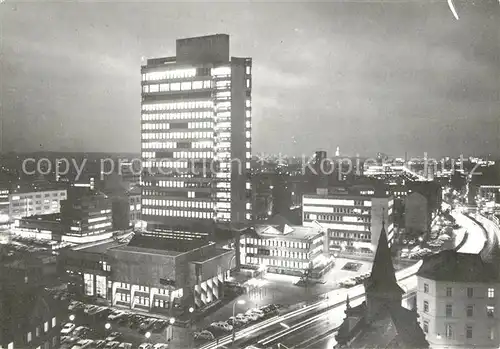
x=191, y=309
x=107, y=326
x=72, y=318
x=240, y=301
x=147, y=335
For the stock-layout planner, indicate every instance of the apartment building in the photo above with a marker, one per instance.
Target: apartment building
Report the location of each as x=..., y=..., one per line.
x=458, y=301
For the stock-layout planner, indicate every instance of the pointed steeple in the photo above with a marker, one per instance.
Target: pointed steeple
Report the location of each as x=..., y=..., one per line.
x=383, y=277
x=347, y=303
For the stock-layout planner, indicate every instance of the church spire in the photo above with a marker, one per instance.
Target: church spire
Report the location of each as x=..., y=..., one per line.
x=383, y=278
x=347, y=303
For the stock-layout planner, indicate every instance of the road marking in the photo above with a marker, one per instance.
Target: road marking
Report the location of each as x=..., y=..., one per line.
x=284, y=325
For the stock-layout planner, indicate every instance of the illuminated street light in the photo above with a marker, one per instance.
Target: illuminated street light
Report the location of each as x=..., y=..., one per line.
x=147, y=335
x=107, y=326
x=172, y=321
x=191, y=309
x=72, y=317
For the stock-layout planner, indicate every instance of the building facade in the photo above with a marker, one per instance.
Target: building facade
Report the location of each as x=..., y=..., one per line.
x=150, y=274
x=285, y=249
x=458, y=301
x=352, y=217
x=196, y=137
x=35, y=203
x=86, y=216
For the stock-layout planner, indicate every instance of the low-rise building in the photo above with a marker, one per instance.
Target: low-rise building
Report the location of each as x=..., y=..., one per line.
x=352, y=216
x=285, y=249
x=86, y=216
x=23, y=204
x=458, y=301
x=150, y=273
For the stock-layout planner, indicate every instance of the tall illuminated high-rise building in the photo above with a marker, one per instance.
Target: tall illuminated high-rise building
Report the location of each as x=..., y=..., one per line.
x=196, y=138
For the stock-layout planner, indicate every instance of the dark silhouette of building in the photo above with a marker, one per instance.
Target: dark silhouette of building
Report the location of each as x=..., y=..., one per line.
x=381, y=321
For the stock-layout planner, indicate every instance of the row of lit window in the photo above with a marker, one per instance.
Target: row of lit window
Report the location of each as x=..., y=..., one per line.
x=336, y=234
x=178, y=203
x=178, y=105
x=280, y=253
x=277, y=263
x=165, y=165
x=169, y=74
x=277, y=243
x=177, y=86
x=179, y=135
x=159, y=145
x=156, y=126
x=176, y=213
x=178, y=116
x=46, y=327
x=173, y=145
x=201, y=124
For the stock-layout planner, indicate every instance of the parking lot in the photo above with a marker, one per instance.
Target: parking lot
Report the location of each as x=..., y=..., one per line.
x=107, y=328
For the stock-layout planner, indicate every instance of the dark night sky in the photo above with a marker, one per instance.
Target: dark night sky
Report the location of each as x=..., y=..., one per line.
x=368, y=76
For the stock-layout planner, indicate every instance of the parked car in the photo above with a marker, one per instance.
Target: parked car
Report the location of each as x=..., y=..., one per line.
x=204, y=335
x=160, y=346
x=135, y=321
x=242, y=318
x=114, y=336
x=81, y=331
x=67, y=328
x=125, y=346
x=99, y=344
x=90, y=308
x=258, y=312
x=159, y=325
x=74, y=305
x=146, y=324
x=112, y=345
x=83, y=344
x=234, y=322
x=115, y=315
x=145, y=346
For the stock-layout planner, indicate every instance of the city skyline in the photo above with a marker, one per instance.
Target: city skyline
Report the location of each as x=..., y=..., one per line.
x=390, y=77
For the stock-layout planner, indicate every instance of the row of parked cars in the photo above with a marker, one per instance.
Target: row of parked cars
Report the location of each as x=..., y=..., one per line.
x=80, y=337
x=217, y=329
x=354, y=280
x=73, y=337
x=139, y=322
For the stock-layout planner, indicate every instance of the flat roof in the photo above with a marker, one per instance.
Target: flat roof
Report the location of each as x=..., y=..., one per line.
x=101, y=247
x=289, y=231
x=213, y=254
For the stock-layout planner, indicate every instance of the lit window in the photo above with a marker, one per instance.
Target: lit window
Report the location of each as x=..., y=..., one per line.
x=154, y=88
x=175, y=87
x=490, y=310
x=186, y=86
x=491, y=293
x=46, y=326
x=492, y=333
x=197, y=85
x=248, y=70
x=248, y=103
x=28, y=337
